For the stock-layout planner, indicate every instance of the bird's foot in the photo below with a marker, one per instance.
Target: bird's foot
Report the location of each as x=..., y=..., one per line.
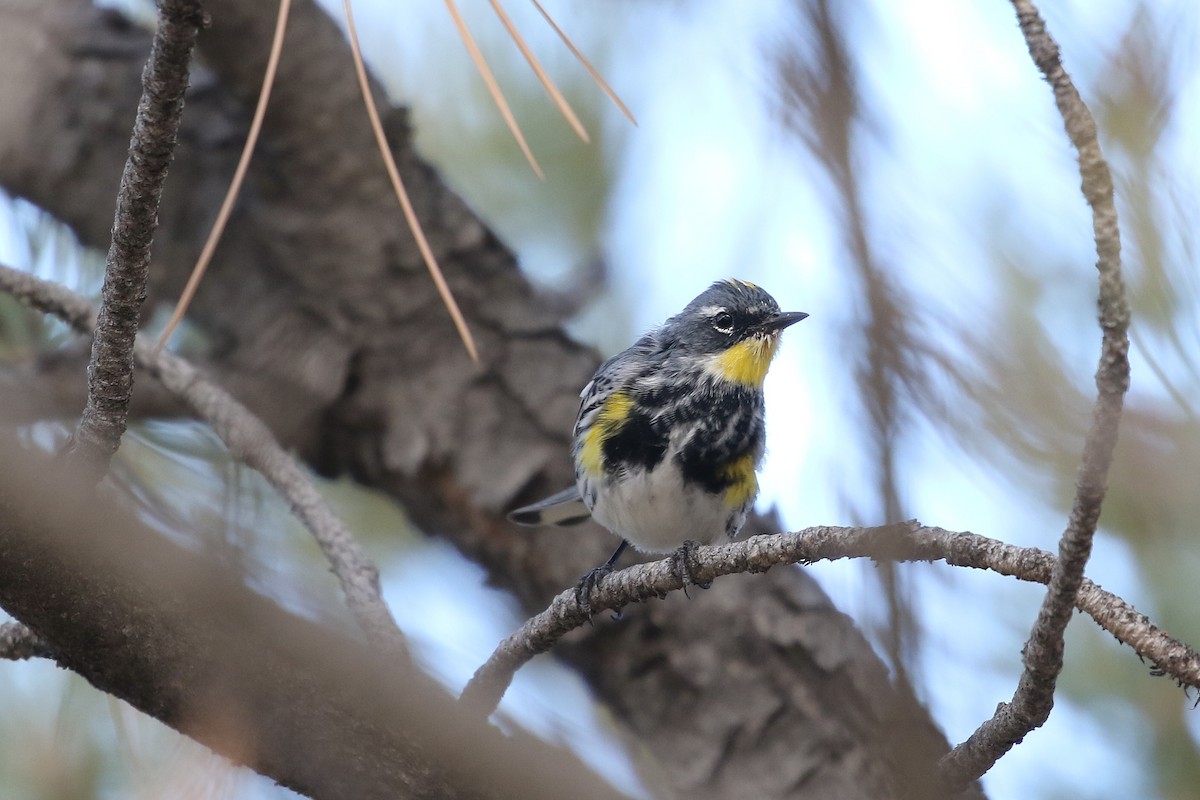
x=587, y=585
x=683, y=564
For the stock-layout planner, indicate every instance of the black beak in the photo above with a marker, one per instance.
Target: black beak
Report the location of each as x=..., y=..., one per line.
x=781, y=321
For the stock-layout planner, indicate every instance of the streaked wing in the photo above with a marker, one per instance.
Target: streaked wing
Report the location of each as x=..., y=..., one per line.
x=618, y=373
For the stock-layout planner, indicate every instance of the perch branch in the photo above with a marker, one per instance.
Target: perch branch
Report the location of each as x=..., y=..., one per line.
x=908, y=542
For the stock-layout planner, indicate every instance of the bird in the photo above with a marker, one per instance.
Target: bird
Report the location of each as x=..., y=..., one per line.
x=670, y=432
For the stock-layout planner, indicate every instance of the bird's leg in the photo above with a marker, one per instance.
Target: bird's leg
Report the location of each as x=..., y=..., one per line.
x=683, y=563
x=587, y=584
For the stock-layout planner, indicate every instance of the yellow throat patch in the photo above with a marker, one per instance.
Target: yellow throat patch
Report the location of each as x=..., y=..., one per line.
x=747, y=361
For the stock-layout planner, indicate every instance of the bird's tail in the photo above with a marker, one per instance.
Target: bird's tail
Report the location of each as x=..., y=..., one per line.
x=564, y=508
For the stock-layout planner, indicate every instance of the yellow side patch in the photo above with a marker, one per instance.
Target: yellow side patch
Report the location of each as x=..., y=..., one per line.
x=609, y=419
x=747, y=361
x=743, y=484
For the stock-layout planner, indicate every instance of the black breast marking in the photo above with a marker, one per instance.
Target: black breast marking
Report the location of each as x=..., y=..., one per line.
x=728, y=426
x=638, y=443
x=664, y=396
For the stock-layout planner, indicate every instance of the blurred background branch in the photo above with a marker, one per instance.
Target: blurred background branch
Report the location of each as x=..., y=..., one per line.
x=18, y=642
x=250, y=442
x=177, y=636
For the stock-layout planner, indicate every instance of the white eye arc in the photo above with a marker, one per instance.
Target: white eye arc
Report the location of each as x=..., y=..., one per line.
x=722, y=322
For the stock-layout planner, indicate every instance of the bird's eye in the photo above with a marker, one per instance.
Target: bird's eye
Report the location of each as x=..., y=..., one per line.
x=723, y=322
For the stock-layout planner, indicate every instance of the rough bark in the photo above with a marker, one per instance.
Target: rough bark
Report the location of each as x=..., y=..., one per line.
x=325, y=323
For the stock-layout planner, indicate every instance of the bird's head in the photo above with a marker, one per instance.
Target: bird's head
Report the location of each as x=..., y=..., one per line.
x=733, y=329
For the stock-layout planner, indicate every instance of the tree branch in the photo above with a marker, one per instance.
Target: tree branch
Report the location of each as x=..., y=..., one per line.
x=249, y=441
x=1043, y=653
x=18, y=643
x=180, y=637
x=908, y=542
x=155, y=131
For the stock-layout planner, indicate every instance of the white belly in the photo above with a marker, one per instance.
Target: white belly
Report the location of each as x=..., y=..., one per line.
x=656, y=514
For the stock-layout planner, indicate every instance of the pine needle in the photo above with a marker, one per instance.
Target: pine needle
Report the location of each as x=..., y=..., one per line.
x=608, y=90
x=235, y=186
x=552, y=90
x=402, y=195
x=493, y=87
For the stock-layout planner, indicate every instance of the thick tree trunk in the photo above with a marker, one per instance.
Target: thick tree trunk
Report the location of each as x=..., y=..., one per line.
x=324, y=322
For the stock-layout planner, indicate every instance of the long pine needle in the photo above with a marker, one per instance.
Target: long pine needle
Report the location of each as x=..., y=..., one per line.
x=493, y=87
x=402, y=195
x=235, y=186
x=596, y=76
x=552, y=90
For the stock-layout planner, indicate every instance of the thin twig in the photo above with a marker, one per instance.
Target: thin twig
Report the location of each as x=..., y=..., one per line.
x=239, y=175
x=1043, y=653
x=410, y=215
x=564, y=107
x=250, y=441
x=151, y=148
x=907, y=542
x=18, y=643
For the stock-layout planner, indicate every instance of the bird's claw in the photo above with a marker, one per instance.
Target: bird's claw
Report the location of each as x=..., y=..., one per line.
x=683, y=564
x=587, y=585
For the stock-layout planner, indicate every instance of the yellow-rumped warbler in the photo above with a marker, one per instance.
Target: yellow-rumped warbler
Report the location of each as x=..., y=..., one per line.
x=670, y=434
